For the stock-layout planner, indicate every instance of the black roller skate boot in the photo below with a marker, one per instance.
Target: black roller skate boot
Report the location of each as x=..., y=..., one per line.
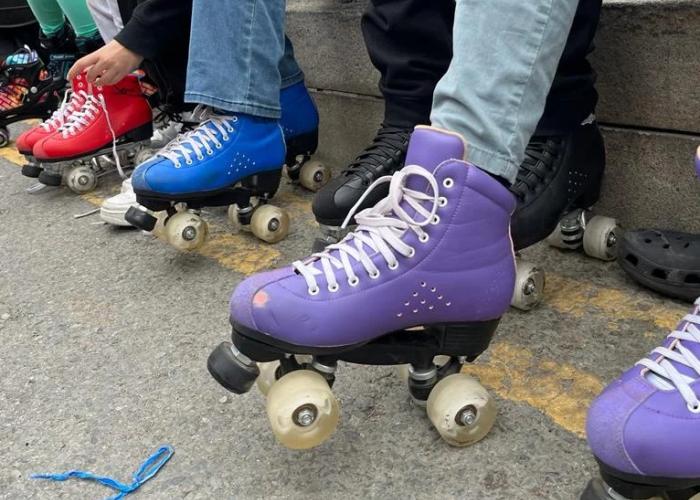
x=60, y=50
x=557, y=184
x=27, y=90
x=333, y=202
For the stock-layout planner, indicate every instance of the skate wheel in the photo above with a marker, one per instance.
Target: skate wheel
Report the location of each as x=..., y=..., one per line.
x=270, y=223
x=143, y=156
x=403, y=370
x=267, y=377
x=314, y=175
x=529, y=286
x=302, y=410
x=461, y=410
x=81, y=179
x=186, y=231
x=600, y=238
x=4, y=137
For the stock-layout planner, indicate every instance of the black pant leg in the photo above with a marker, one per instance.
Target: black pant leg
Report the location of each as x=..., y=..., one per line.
x=573, y=95
x=410, y=43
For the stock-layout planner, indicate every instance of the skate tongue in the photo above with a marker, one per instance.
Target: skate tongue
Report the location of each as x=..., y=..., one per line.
x=429, y=147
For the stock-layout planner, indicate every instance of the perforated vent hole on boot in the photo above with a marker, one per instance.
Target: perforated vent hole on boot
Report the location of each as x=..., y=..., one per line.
x=660, y=273
x=632, y=259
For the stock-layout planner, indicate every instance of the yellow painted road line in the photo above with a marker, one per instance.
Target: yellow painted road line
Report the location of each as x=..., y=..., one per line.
x=559, y=390
x=580, y=298
x=11, y=154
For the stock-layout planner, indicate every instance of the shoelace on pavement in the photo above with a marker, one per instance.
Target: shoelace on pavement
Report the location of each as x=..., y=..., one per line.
x=379, y=229
x=68, y=107
x=88, y=112
x=195, y=143
x=146, y=471
x=662, y=372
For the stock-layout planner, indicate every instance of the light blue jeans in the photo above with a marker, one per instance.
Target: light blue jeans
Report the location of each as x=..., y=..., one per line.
x=239, y=56
x=505, y=54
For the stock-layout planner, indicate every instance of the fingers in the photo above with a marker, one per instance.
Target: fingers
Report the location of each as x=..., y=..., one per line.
x=82, y=64
x=97, y=71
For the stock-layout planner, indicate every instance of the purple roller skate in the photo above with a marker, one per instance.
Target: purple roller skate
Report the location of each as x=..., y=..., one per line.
x=428, y=272
x=644, y=429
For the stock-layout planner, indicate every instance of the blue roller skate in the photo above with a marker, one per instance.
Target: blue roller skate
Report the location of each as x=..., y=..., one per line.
x=229, y=160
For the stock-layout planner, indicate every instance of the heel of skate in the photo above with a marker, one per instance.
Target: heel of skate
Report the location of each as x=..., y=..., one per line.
x=299, y=167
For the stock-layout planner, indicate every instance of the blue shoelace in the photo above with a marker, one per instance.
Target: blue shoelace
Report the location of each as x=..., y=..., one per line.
x=147, y=470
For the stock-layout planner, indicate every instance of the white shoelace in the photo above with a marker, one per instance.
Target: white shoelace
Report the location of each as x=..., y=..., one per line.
x=68, y=107
x=195, y=143
x=664, y=375
x=380, y=229
x=88, y=112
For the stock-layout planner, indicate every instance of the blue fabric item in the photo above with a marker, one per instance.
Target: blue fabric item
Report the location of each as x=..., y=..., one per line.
x=147, y=470
x=299, y=113
x=216, y=155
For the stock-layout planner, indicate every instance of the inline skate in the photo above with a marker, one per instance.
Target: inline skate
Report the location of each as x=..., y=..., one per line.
x=229, y=160
x=27, y=90
x=113, y=124
x=425, y=287
x=665, y=261
x=644, y=429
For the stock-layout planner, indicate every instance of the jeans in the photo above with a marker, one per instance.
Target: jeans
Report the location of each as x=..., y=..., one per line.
x=505, y=55
x=410, y=43
x=239, y=57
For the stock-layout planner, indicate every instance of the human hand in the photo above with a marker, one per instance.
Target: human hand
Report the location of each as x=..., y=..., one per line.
x=108, y=65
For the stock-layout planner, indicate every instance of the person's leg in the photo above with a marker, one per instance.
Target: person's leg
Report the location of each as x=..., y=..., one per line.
x=107, y=18
x=410, y=43
x=235, y=52
x=79, y=16
x=49, y=15
x=495, y=90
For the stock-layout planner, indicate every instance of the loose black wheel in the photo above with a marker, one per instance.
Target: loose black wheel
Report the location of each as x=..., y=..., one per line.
x=140, y=219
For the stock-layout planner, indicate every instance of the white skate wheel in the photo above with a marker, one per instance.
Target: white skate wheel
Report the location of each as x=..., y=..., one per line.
x=302, y=410
x=314, y=175
x=4, y=137
x=600, y=238
x=529, y=286
x=267, y=376
x=233, y=219
x=270, y=223
x=81, y=179
x=186, y=231
x=143, y=156
x=461, y=410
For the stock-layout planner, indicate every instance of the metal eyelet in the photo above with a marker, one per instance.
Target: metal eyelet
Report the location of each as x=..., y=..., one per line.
x=694, y=408
x=354, y=281
x=442, y=201
x=393, y=266
x=314, y=291
x=189, y=162
x=374, y=276
x=210, y=152
x=436, y=220
x=224, y=137
x=219, y=146
x=333, y=288
x=411, y=253
x=200, y=157
x=448, y=183
x=423, y=238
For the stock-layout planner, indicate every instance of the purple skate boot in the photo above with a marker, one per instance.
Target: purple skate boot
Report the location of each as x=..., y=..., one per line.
x=644, y=429
x=428, y=272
